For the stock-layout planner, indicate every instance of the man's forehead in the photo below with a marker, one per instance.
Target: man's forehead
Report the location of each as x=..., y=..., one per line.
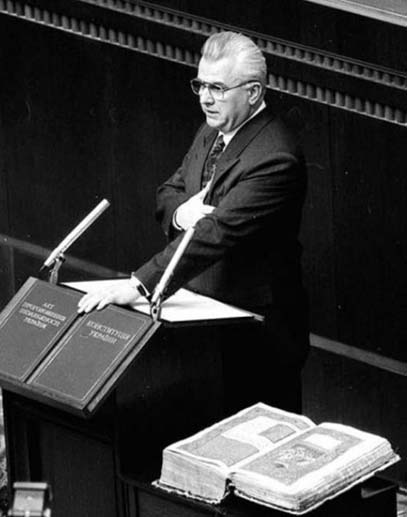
x=220, y=70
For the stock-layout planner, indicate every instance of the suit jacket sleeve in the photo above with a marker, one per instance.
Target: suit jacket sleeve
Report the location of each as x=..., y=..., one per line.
x=172, y=193
x=265, y=191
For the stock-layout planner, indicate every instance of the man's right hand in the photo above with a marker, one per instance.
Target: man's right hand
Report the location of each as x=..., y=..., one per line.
x=189, y=213
x=121, y=294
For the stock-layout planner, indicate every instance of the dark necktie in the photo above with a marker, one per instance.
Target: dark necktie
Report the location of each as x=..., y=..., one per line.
x=211, y=161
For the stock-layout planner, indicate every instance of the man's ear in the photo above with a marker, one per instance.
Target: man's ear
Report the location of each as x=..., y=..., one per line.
x=255, y=90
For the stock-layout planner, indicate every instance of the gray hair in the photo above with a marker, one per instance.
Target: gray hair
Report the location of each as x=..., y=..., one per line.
x=249, y=58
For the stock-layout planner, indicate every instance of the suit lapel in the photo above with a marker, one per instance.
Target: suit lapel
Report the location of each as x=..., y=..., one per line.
x=232, y=152
x=238, y=143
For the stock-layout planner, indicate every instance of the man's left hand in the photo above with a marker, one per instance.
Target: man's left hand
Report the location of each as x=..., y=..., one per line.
x=190, y=212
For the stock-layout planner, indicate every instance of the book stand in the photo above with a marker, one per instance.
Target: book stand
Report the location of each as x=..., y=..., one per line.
x=375, y=497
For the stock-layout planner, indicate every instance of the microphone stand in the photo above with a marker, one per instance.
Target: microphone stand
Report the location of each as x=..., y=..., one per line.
x=157, y=296
x=53, y=273
x=57, y=257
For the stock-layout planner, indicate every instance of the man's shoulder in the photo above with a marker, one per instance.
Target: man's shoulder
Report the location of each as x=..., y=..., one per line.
x=276, y=133
x=279, y=123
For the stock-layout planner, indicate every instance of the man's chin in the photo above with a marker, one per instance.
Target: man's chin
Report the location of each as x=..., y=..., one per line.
x=213, y=122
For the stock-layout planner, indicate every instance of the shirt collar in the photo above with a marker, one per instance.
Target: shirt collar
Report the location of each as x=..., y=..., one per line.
x=227, y=137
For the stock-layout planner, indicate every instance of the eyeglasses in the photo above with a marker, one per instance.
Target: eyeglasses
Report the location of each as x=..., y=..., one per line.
x=217, y=91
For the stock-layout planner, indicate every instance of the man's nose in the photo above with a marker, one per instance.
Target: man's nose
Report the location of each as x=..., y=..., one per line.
x=205, y=97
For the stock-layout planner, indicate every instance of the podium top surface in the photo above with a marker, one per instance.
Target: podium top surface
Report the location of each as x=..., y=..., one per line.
x=183, y=306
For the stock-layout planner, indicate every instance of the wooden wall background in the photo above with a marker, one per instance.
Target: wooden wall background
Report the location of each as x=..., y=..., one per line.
x=95, y=103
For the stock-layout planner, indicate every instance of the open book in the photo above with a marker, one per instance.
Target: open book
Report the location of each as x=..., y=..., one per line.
x=273, y=457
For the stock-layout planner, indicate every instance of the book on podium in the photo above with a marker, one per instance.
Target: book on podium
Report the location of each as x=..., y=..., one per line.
x=51, y=353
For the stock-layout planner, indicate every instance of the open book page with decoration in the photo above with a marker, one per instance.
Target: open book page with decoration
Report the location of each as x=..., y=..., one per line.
x=321, y=463
x=200, y=465
x=275, y=458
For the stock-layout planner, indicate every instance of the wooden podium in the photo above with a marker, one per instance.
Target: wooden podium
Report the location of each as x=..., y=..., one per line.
x=90, y=401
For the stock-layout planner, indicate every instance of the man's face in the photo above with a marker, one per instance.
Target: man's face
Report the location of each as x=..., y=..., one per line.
x=228, y=113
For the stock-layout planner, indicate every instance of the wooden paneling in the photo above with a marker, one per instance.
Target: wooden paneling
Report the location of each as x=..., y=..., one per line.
x=279, y=17
x=56, y=136
x=341, y=32
x=155, y=116
x=369, y=185
x=46, y=445
x=310, y=122
x=355, y=36
x=84, y=121
x=342, y=390
x=392, y=11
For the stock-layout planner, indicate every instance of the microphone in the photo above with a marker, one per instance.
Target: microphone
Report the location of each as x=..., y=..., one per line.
x=156, y=298
x=75, y=233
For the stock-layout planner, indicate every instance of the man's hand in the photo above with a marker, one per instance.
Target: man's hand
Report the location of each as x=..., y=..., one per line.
x=189, y=213
x=123, y=294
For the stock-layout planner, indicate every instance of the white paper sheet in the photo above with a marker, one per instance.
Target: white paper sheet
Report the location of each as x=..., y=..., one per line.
x=184, y=305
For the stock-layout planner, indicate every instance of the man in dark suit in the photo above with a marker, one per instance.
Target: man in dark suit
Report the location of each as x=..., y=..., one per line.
x=242, y=186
